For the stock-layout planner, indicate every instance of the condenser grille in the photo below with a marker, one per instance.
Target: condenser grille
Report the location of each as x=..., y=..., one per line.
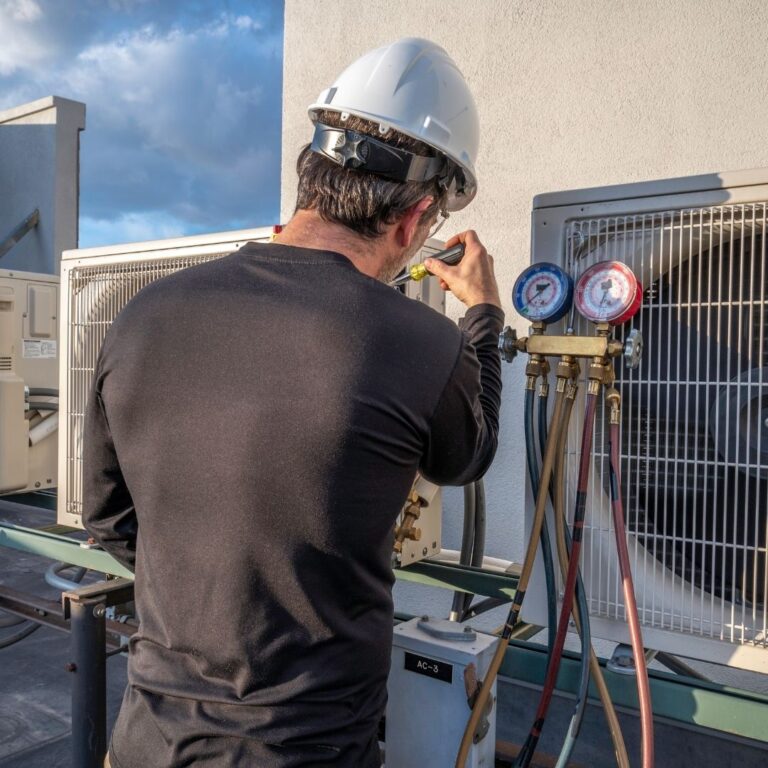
x=97, y=293
x=694, y=422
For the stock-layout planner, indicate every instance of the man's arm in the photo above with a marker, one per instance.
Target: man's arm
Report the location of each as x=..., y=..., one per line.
x=464, y=429
x=108, y=511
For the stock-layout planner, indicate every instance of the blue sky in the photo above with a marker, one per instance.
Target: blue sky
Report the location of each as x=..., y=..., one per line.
x=183, y=104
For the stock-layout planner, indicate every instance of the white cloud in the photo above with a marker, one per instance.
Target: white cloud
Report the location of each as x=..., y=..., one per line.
x=132, y=227
x=157, y=82
x=21, y=10
x=183, y=122
x=248, y=23
x=22, y=42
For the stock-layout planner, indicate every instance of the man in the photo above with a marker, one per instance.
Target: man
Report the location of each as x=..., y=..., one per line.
x=256, y=423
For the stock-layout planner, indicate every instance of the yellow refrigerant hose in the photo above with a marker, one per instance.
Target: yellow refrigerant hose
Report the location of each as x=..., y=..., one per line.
x=564, y=373
x=620, y=749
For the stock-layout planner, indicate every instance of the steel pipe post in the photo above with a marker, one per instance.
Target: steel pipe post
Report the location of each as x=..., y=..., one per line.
x=89, y=683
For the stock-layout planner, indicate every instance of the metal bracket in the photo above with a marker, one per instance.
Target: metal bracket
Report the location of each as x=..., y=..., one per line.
x=107, y=593
x=472, y=686
x=622, y=661
x=443, y=629
x=28, y=224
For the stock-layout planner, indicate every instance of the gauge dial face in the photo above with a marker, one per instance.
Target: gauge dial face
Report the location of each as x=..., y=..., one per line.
x=608, y=292
x=543, y=293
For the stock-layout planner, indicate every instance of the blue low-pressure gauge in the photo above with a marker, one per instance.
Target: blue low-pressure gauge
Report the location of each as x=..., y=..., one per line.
x=543, y=293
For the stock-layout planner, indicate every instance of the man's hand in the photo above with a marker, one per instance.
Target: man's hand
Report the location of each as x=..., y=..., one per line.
x=471, y=280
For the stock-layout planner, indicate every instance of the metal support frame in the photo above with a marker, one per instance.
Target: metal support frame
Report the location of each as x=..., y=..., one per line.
x=28, y=224
x=86, y=609
x=678, y=698
x=89, y=683
x=82, y=613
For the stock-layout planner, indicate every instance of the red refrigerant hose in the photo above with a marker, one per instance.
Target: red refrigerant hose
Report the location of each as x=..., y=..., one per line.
x=585, y=461
x=633, y=619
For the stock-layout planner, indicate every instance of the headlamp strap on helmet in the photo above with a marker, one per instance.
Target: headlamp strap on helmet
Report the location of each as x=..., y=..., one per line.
x=359, y=151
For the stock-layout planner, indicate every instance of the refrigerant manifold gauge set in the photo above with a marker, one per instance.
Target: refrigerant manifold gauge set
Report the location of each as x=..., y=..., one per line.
x=607, y=292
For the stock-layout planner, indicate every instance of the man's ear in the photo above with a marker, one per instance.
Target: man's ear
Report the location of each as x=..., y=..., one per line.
x=409, y=222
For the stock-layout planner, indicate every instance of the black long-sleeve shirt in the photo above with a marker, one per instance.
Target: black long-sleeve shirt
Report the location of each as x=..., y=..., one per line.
x=254, y=427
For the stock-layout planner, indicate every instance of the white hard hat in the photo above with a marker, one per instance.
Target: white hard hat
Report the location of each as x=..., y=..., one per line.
x=416, y=88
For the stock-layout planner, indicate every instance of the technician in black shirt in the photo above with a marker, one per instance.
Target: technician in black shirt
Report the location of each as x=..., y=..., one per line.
x=256, y=423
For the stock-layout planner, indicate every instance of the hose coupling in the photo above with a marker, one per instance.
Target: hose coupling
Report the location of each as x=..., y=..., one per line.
x=534, y=369
x=601, y=371
x=613, y=398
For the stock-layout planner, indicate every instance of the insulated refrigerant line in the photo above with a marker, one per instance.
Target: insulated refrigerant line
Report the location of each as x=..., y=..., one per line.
x=526, y=754
x=460, y=602
x=638, y=651
x=565, y=372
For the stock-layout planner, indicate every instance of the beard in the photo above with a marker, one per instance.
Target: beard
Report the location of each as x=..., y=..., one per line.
x=395, y=264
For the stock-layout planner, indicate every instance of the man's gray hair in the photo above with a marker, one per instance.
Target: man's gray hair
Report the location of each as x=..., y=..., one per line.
x=360, y=201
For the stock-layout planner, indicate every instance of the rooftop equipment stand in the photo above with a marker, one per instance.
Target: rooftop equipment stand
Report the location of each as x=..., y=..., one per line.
x=86, y=609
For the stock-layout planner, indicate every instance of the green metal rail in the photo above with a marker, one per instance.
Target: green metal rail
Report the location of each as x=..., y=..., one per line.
x=57, y=547
x=677, y=698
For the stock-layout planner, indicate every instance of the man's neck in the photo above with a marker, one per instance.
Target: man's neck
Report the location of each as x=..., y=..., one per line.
x=307, y=229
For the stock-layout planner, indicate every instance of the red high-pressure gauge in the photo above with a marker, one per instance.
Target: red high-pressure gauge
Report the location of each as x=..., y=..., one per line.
x=608, y=292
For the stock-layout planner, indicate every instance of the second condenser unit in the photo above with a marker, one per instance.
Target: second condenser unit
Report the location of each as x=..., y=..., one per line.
x=96, y=283
x=694, y=447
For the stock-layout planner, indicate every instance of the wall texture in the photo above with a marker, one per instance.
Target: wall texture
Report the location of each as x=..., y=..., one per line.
x=40, y=168
x=571, y=94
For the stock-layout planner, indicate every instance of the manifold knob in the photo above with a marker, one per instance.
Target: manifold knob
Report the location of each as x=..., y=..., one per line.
x=633, y=349
x=508, y=344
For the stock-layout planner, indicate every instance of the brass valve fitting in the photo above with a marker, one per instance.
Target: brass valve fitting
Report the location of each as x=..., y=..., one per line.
x=613, y=398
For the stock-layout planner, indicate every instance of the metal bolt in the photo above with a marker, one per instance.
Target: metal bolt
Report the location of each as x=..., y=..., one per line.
x=424, y=551
x=99, y=611
x=70, y=667
x=425, y=617
x=467, y=629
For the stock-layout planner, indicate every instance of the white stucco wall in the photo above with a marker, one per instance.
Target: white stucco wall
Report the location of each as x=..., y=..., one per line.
x=571, y=94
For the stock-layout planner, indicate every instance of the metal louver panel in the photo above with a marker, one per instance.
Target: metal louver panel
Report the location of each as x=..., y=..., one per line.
x=694, y=425
x=96, y=284
x=97, y=293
